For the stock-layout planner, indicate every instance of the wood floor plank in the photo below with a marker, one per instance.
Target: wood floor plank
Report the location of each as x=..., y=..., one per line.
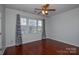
x=43, y=47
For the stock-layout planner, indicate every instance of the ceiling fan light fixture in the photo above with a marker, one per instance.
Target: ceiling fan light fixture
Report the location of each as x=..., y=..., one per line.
x=43, y=12
x=46, y=11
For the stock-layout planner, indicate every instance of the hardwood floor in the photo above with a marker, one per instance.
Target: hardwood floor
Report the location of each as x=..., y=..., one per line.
x=43, y=47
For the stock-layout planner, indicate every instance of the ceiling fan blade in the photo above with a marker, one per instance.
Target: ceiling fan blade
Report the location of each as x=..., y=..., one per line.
x=48, y=9
x=37, y=9
x=45, y=6
x=39, y=12
x=51, y=9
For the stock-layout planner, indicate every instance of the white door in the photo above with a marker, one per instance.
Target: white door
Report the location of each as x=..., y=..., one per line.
x=0, y=33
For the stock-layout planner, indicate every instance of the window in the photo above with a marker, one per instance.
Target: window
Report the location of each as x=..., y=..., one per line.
x=32, y=22
x=23, y=21
x=31, y=26
x=39, y=26
x=24, y=27
x=40, y=23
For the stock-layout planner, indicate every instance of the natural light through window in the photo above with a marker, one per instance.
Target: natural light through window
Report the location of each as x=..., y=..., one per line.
x=39, y=23
x=23, y=21
x=30, y=26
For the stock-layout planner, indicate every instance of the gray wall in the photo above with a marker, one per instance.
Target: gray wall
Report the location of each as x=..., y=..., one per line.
x=64, y=27
x=11, y=27
x=2, y=28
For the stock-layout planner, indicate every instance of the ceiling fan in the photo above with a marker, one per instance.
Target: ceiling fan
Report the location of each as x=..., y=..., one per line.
x=44, y=9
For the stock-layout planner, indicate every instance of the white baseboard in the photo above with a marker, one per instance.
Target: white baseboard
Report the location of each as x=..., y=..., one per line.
x=64, y=42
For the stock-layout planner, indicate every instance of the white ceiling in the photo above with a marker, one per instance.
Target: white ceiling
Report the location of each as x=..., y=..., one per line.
x=30, y=7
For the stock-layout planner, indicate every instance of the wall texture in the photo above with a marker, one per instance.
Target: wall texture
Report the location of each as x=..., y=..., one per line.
x=64, y=27
x=11, y=27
